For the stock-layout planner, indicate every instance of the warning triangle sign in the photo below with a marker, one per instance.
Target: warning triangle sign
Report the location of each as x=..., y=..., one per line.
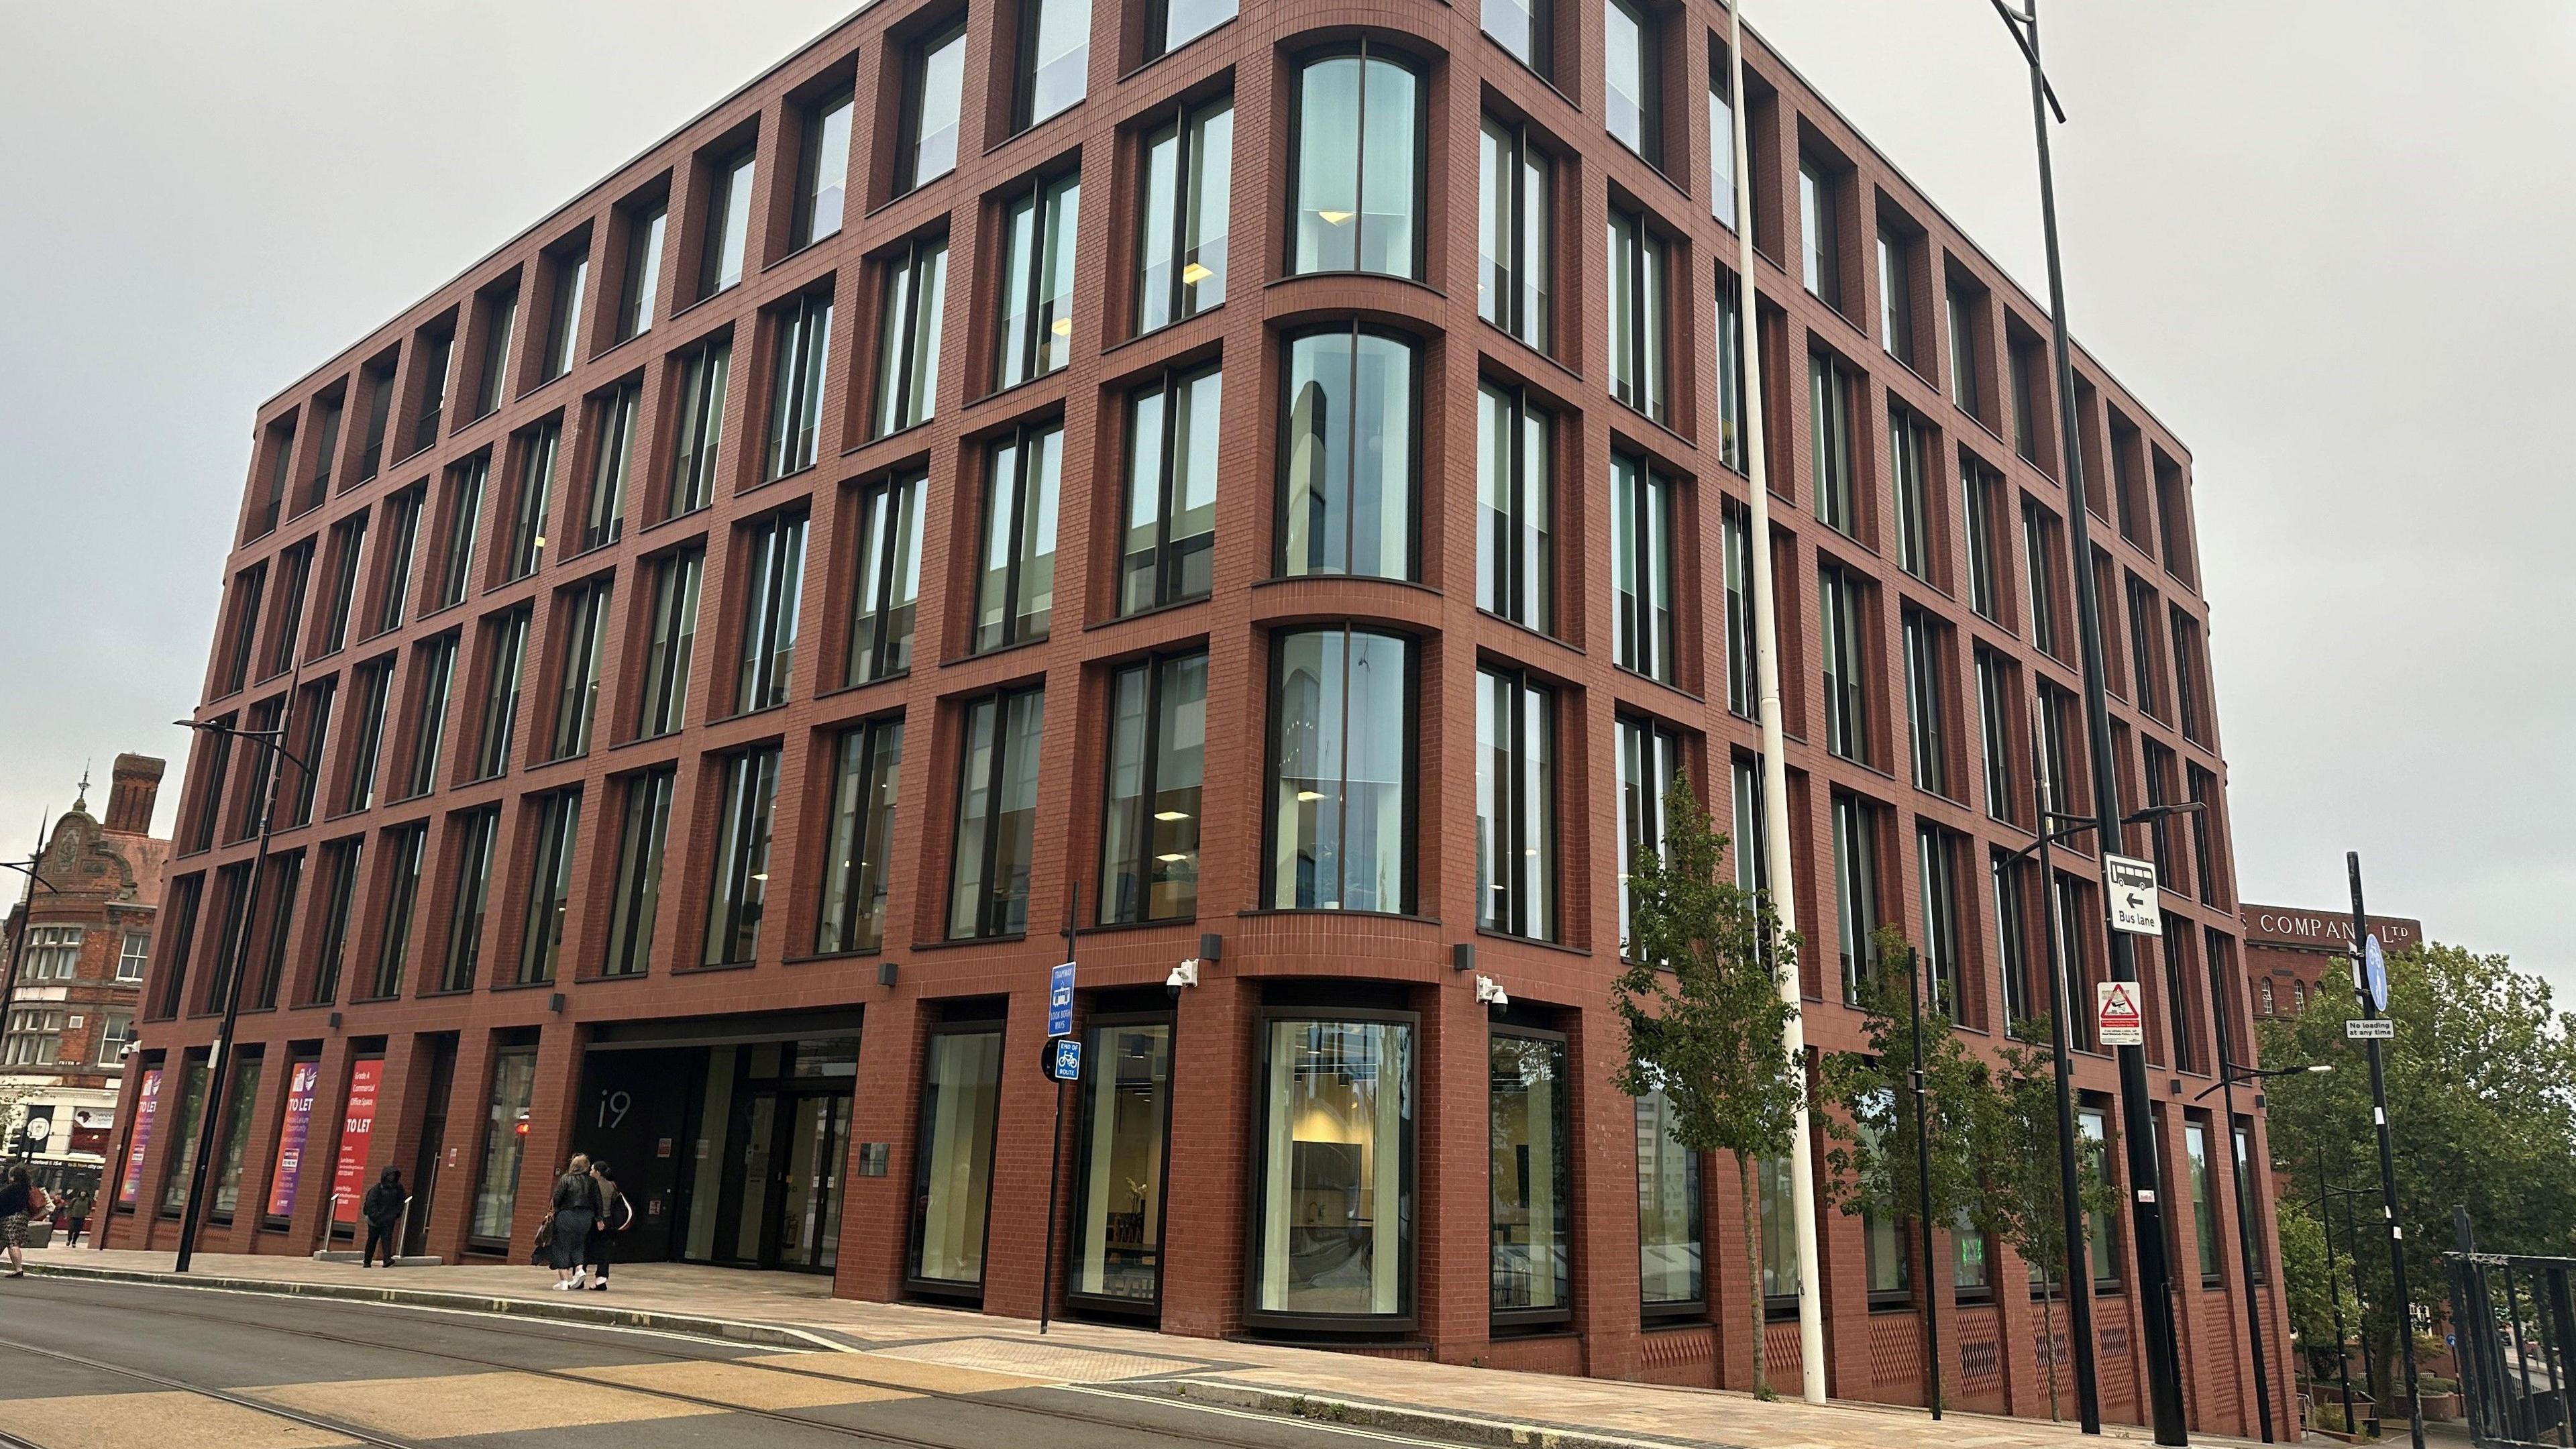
x=2117, y=1021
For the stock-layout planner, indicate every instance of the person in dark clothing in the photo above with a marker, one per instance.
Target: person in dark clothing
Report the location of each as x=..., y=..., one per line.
x=576, y=1207
x=616, y=1215
x=75, y=1213
x=15, y=1198
x=382, y=1207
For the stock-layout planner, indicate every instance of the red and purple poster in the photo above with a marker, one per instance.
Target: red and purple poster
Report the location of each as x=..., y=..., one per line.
x=146, y=1103
x=290, y=1138
x=356, y=1127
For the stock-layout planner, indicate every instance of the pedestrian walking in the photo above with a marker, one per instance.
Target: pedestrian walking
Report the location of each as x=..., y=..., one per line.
x=16, y=1198
x=616, y=1215
x=576, y=1207
x=76, y=1206
x=382, y=1207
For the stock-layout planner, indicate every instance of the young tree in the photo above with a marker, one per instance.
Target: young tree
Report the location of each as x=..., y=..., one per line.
x=1704, y=1020
x=2020, y=1200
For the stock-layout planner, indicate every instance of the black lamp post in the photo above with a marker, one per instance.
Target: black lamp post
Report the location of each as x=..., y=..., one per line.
x=2247, y=1195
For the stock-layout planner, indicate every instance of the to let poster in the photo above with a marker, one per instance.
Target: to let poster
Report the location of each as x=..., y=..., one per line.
x=357, y=1126
x=147, y=1103
x=290, y=1138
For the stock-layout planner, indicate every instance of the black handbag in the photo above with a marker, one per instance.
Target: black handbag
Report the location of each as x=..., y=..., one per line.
x=545, y=1240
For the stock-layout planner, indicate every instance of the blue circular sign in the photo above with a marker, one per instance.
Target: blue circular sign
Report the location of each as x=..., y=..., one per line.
x=2374, y=973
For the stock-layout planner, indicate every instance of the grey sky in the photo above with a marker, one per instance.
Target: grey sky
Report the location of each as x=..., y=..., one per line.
x=2324, y=240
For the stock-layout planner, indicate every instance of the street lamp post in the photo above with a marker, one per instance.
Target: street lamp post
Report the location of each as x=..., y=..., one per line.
x=219, y=1061
x=2146, y=1206
x=2229, y=1074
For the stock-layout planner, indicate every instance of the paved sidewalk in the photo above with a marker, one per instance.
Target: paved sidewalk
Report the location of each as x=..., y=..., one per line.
x=1441, y=1401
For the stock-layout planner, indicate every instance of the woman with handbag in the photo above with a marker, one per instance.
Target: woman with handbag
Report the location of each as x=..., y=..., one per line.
x=616, y=1215
x=576, y=1207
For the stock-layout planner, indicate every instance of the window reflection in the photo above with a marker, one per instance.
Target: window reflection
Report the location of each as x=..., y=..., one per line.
x=1335, y=1220
x=1357, y=187
x=1118, y=1222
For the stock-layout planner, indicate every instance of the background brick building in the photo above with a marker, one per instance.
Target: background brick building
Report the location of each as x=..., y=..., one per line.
x=741, y=619
x=2292, y=953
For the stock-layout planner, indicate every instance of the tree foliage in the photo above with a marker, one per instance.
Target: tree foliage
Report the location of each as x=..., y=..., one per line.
x=1874, y=1166
x=2021, y=1189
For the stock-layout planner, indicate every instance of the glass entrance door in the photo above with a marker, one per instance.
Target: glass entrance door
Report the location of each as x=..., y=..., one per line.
x=808, y=1190
x=773, y=1128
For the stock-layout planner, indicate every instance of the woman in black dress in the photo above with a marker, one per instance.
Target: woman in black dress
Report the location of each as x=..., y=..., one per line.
x=576, y=1207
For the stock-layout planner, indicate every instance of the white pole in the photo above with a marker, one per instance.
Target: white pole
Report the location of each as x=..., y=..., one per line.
x=1780, y=861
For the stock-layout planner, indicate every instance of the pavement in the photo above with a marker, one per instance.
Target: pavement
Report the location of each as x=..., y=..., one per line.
x=1141, y=1377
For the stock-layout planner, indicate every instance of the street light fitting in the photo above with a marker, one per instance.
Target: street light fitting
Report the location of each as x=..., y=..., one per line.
x=2229, y=1074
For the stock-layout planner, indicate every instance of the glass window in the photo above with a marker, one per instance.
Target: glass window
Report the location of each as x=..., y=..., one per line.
x=35, y=1037
x=860, y=845
x=549, y=886
x=585, y=644
x=437, y=668
x=1829, y=418
x=997, y=801
x=739, y=884
x=500, y=320
x=796, y=388
x=1055, y=58
x=1515, y=468
x=437, y=359
x=1172, y=441
x=348, y=543
x=672, y=640
x=1820, y=232
x=1841, y=616
x=1649, y=759
x=1517, y=201
x=1890, y=1270
x=889, y=578
x=192, y=1110
x=1119, y=1178
x=1641, y=562
x=1914, y=548
x=115, y=1029
x=2025, y=406
x=644, y=236
x=916, y=292
x=1180, y=251
x=728, y=223
x=477, y=831
x=2101, y=1228
x=1333, y=1225
x=379, y=381
x=1015, y=588
x=2177, y=1002
x=496, y=1183
x=961, y=1100
x=604, y=516
x=1526, y=28
x=133, y=954
x=934, y=84
x=1530, y=1164
x=2039, y=537
x=1927, y=708
x=1637, y=285
x=405, y=846
x=1732, y=403
x=241, y=1100
x=1341, y=771
x=1721, y=142
x=773, y=589
x=1037, y=280
x=1670, y=1266
x=326, y=452
x=508, y=643
x=340, y=857
x=1347, y=503
x=1775, y=1189
x=402, y=530
x=2142, y=652
x=823, y=164
x=537, y=449
x=702, y=405
x=1149, y=852
x=2204, y=1218
x=1358, y=183
x=1971, y=1274
x=1963, y=348
x=1630, y=56
x=2248, y=1208
x=1171, y=24
x=1515, y=805
x=563, y=327
x=638, y=899
x=1977, y=484
x=1937, y=854
x=1856, y=914
x=1895, y=296
x=1735, y=539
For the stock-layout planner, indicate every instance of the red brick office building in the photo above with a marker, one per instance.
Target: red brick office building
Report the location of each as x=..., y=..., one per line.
x=869, y=502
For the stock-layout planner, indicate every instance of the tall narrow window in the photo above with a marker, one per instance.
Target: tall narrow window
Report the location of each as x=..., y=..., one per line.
x=1631, y=56
x=1671, y=1276
x=1856, y=914
x=1977, y=486
x=859, y=847
x=2102, y=1227
x=249, y=587
x=889, y=578
x=585, y=644
x=1055, y=59
x=340, y=895
x=1927, y=705
x=997, y=802
x=1341, y=772
x=464, y=511
x=2187, y=675
x=961, y=1104
x=2143, y=605
x=702, y=406
x=184, y=896
x=563, y=328
x=1895, y=296
x=477, y=831
x=536, y=450
x=1962, y=316
x=314, y=732
x=1015, y=588
x=405, y=845
x=823, y=170
x=1169, y=553
x=1514, y=258
x=1515, y=557
x=508, y=643
x=500, y=322
x=1733, y=404
x=348, y=546
x=1171, y=24
x=1526, y=28
x=1638, y=282
x=1721, y=140
x=549, y=886
x=934, y=83
x=326, y=452
x=378, y=380
x=1914, y=549
x=402, y=531
x=1820, y=232
x=1515, y=805
x=1149, y=842
x=1735, y=541
x=1994, y=714
x=772, y=590
x=2177, y=952
x=1333, y=1221
x=1180, y=244
x=738, y=887
x=1037, y=280
x=210, y=769
x=1346, y=506
x=796, y=387
x=2053, y=706
x=1530, y=1169
x=604, y=516
x=1357, y=190
x=1937, y=861
x=670, y=645
x=437, y=360
x=2159, y=770
x=2013, y=954
x=2204, y=835
x=437, y=668
x=2204, y=1215
x=916, y=290
x=643, y=284
x=2039, y=544
x=637, y=899
x=1641, y=564
x=1829, y=417
x=1649, y=760
x=1119, y=1181
x=505, y=1145
x=294, y=575
x=728, y=222
x=1841, y=612
x=374, y=682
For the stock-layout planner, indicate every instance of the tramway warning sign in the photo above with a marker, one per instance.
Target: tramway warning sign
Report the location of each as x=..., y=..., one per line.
x=2131, y=884
x=2116, y=1019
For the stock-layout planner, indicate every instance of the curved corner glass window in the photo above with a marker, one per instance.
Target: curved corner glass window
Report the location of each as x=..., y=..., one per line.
x=1333, y=1223
x=1119, y=1184
x=1180, y=248
x=961, y=1098
x=1532, y=1176
x=1357, y=187
x=1346, y=500
x=1341, y=772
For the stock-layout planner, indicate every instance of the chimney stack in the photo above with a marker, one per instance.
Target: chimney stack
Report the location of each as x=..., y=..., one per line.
x=133, y=786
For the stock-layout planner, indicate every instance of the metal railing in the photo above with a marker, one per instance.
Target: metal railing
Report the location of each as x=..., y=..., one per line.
x=2516, y=1327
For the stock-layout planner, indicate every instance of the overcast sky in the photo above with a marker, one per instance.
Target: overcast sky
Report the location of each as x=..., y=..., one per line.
x=2326, y=241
